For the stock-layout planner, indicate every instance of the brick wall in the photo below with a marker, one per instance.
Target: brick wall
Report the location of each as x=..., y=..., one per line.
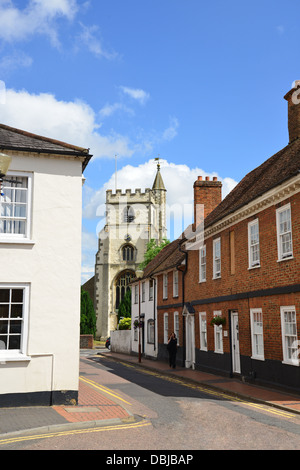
x=86, y=342
x=269, y=275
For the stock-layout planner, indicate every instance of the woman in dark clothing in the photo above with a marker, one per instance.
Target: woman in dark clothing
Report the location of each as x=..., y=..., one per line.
x=172, y=348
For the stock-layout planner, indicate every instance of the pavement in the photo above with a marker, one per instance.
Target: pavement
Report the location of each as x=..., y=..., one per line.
x=99, y=405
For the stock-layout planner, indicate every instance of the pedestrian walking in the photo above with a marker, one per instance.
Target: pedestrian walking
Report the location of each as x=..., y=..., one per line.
x=172, y=349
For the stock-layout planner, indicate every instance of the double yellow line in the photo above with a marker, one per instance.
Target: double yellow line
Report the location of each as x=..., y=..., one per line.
x=210, y=391
x=13, y=440
x=104, y=389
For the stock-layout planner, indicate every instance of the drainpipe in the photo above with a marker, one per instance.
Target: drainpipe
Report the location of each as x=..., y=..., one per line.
x=183, y=299
x=154, y=309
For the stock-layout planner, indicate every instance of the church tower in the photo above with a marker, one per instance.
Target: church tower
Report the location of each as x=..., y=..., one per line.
x=132, y=220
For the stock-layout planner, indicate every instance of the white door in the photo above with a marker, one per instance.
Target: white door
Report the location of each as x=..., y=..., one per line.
x=236, y=364
x=190, y=341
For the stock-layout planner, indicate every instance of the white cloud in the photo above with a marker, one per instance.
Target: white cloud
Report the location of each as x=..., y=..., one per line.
x=13, y=61
x=110, y=109
x=70, y=121
x=171, y=131
x=89, y=37
x=136, y=93
x=178, y=180
x=38, y=17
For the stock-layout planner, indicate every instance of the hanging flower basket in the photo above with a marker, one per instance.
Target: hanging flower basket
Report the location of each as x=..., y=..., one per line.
x=137, y=324
x=218, y=321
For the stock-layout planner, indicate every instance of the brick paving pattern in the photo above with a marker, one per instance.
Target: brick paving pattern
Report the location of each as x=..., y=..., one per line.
x=92, y=406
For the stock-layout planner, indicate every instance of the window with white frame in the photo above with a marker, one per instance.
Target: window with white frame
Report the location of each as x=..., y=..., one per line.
x=203, y=331
x=289, y=335
x=136, y=293
x=151, y=284
x=284, y=232
x=176, y=326
x=165, y=286
x=166, y=328
x=218, y=334
x=217, y=258
x=13, y=320
x=202, y=264
x=253, y=244
x=15, y=206
x=257, y=338
x=175, y=283
x=150, y=331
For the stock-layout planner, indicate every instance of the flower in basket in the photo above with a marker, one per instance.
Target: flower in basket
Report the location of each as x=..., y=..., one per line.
x=136, y=324
x=218, y=321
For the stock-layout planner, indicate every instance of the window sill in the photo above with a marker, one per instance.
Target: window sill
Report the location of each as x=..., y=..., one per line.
x=285, y=259
x=289, y=363
x=254, y=267
x=17, y=241
x=258, y=358
x=20, y=358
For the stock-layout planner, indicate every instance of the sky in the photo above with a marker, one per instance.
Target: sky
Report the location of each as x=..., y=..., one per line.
x=198, y=84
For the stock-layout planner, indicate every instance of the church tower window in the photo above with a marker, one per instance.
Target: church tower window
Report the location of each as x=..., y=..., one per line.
x=122, y=286
x=128, y=253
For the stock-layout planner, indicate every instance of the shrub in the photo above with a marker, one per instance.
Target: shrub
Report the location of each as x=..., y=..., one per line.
x=125, y=324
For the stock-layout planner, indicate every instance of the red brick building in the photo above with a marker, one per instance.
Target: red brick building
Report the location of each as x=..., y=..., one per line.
x=247, y=272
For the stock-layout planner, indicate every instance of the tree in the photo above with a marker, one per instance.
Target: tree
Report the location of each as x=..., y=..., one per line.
x=125, y=306
x=153, y=248
x=87, y=315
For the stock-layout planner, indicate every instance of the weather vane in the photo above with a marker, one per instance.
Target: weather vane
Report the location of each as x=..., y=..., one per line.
x=157, y=159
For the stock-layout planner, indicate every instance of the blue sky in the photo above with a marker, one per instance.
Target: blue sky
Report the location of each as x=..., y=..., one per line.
x=199, y=83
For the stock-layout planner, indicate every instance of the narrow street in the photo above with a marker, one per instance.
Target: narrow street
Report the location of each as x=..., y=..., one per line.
x=171, y=414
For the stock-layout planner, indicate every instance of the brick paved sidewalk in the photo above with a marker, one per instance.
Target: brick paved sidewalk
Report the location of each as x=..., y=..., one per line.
x=92, y=406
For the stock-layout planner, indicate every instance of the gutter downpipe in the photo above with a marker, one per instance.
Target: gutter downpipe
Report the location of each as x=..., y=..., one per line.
x=154, y=309
x=183, y=298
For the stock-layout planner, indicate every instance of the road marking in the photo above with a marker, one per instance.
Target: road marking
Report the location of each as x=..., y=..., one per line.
x=13, y=440
x=262, y=407
x=104, y=389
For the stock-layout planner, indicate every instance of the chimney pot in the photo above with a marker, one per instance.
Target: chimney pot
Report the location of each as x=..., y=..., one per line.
x=293, y=99
x=215, y=178
x=199, y=178
x=206, y=178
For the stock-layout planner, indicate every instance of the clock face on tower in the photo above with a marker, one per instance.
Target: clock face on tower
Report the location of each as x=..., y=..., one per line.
x=127, y=238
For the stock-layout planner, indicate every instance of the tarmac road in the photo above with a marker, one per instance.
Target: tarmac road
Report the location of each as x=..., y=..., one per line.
x=168, y=413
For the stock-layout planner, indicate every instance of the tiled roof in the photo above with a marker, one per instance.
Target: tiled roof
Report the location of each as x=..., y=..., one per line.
x=280, y=167
x=17, y=139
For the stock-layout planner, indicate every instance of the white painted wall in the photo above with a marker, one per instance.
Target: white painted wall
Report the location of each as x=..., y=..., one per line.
x=147, y=313
x=51, y=264
x=120, y=341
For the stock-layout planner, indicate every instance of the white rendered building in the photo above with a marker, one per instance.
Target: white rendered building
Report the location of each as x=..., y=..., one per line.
x=40, y=252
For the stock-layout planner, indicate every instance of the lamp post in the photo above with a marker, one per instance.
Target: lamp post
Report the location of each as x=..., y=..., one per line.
x=4, y=165
x=139, y=274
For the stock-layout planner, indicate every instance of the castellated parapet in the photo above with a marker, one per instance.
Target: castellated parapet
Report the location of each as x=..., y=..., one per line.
x=131, y=196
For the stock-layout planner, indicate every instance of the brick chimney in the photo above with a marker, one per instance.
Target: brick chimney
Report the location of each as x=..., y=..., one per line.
x=207, y=192
x=293, y=99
